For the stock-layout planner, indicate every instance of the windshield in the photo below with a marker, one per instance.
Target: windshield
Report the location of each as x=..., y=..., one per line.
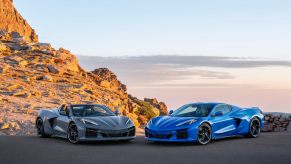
x=91, y=111
x=193, y=110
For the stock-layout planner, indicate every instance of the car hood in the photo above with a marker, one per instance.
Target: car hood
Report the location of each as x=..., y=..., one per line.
x=170, y=123
x=108, y=122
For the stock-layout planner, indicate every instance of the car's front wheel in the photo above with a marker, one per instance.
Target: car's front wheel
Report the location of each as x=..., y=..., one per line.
x=40, y=128
x=204, y=134
x=255, y=128
x=72, y=133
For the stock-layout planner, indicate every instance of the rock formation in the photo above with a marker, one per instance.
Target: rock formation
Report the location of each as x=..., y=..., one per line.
x=159, y=105
x=12, y=25
x=34, y=75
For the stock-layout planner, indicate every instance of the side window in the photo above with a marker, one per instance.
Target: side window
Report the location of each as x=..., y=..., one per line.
x=224, y=109
x=63, y=110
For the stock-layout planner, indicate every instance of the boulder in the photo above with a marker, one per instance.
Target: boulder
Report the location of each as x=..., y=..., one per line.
x=41, y=68
x=13, y=59
x=22, y=94
x=43, y=46
x=17, y=46
x=45, y=78
x=16, y=37
x=89, y=91
x=53, y=69
x=25, y=78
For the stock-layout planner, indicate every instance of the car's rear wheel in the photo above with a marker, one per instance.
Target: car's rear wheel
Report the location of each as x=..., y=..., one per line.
x=73, y=133
x=204, y=134
x=255, y=128
x=40, y=128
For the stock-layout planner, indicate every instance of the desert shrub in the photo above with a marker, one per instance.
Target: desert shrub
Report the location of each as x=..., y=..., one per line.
x=146, y=110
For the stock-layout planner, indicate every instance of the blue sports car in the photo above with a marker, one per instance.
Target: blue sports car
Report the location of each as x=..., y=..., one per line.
x=202, y=122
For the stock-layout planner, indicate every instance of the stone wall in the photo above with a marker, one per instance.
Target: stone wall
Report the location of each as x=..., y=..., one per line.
x=277, y=122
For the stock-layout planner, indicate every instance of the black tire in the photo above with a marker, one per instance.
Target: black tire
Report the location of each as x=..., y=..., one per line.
x=255, y=128
x=72, y=133
x=204, y=135
x=40, y=128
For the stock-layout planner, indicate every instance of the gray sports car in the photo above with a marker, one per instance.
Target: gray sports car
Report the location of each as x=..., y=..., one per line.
x=84, y=123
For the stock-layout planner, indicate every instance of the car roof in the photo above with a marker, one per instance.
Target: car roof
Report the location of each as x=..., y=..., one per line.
x=208, y=103
x=84, y=104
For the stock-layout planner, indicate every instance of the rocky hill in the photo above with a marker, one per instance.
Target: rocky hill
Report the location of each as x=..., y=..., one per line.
x=34, y=75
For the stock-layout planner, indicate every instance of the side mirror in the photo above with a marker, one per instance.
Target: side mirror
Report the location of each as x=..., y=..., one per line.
x=219, y=113
x=171, y=112
x=116, y=112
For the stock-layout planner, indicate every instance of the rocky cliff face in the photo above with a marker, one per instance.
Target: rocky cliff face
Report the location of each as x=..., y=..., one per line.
x=12, y=23
x=34, y=75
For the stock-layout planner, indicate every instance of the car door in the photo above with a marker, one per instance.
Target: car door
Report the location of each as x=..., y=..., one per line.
x=222, y=124
x=63, y=121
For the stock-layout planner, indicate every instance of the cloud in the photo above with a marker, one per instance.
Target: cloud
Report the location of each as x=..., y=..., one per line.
x=174, y=70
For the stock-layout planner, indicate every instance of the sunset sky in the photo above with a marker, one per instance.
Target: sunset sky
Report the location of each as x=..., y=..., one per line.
x=237, y=52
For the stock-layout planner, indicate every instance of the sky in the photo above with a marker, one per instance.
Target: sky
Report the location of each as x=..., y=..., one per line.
x=178, y=51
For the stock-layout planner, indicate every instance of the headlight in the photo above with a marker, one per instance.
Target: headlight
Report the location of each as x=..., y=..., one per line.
x=187, y=122
x=150, y=122
x=88, y=122
x=128, y=122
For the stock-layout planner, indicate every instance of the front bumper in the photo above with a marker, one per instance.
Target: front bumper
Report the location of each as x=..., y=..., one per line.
x=181, y=135
x=90, y=134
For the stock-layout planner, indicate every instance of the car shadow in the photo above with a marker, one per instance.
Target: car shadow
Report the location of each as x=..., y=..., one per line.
x=60, y=140
x=139, y=141
x=178, y=144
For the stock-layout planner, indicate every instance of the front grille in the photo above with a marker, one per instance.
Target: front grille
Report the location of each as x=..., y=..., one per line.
x=182, y=134
x=118, y=133
x=106, y=135
x=159, y=135
x=91, y=133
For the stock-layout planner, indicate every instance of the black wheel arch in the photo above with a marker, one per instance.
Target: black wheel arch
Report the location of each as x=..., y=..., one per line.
x=205, y=122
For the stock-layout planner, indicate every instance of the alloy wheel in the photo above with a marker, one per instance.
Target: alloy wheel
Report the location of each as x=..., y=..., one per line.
x=73, y=134
x=255, y=128
x=204, y=134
